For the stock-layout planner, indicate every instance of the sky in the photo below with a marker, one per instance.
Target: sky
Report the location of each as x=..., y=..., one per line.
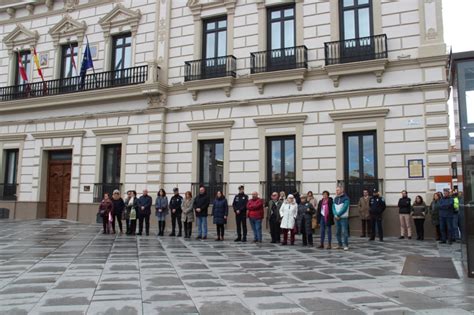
x=458, y=22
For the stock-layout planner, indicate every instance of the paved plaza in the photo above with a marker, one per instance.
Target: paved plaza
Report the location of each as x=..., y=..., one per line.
x=61, y=267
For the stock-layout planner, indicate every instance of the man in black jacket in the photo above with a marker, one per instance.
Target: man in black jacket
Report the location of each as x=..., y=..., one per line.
x=176, y=210
x=377, y=207
x=240, y=209
x=404, y=210
x=201, y=205
x=144, y=212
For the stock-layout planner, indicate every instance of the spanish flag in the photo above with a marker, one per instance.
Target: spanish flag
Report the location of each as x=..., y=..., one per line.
x=38, y=67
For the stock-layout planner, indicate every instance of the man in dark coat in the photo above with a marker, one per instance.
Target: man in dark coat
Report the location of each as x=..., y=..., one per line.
x=377, y=207
x=144, y=212
x=240, y=210
x=176, y=210
x=304, y=220
x=200, y=206
x=274, y=218
x=446, y=212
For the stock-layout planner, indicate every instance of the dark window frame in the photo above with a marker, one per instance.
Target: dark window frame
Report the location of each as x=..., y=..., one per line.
x=217, y=30
x=356, y=8
x=7, y=163
x=27, y=61
x=282, y=20
x=116, y=162
x=65, y=55
x=359, y=134
x=282, y=140
x=202, y=143
x=123, y=46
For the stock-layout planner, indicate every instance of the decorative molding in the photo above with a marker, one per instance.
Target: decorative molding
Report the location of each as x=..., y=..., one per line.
x=197, y=7
x=20, y=36
x=119, y=17
x=376, y=66
x=70, y=5
x=13, y=137
x=281, y=119
x=66, y=28
x=225, y=83
x=295, y=75
x=59, y=134
x=108, y=131
x=211, y=124
x=30, y=8
x=363, y=113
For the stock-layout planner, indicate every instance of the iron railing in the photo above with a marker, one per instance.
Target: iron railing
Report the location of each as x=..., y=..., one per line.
x=210, y=68
x=279, y=59
x=101, y=188
x=211, y=189
x=357, y=49
x=99, y=80
x=8, y=191
x=354, y=188
x=288, y=186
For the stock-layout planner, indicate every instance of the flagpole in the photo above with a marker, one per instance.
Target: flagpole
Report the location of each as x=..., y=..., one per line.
x=93, y=69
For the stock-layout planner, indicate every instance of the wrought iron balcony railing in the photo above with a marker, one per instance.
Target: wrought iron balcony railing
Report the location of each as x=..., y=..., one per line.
x=101, y=188
x=354, y=188
x=357, y=49
x=8, y=191
x=279, y=59
x=289, y=186
x=99, y=80
x=211, y=189
x=210, y=68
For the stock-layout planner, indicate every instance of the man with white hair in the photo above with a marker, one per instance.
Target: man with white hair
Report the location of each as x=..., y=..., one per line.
x=340, y=209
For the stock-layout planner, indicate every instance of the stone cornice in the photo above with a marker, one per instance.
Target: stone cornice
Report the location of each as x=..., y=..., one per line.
x=59, y=134
x=211, y=124
x=377, y=66
x=68, y=27
x=363, y=113
x=280, y=119
x=13, y=137
x=295, y=75
x=125, y=16
x=29, y=38
x=111, y=131
x=196, y=7
x=224, y=83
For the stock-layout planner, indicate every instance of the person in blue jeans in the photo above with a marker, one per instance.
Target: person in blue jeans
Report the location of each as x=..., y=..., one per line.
x=255, y=214
x=446, y=212
x=325, y=218
x=201, y=205
x=340, y=209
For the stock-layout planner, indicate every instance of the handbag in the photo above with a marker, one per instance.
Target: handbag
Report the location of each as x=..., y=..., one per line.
x=314, y=223
x=133, y=214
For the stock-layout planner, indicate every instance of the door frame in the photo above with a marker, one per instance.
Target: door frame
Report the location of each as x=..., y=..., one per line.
x=48, y=162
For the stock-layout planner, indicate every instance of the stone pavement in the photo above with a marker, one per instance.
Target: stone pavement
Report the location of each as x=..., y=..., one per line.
x=60, y=267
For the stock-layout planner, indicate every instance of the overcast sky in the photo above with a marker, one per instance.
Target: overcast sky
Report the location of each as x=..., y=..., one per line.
x=458, y=23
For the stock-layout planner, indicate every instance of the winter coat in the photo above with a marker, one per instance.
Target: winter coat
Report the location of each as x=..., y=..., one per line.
x=340, y=206
x=119, y=206
x=129, y=206
x=161, y=203
x=434, y=212
x=176, y=203
x=273, y=211
x=304, y=218
x=313, y=201
x=220, y=211
x=187, y=214
x=377, y=207
x=320, y=215
x=202, y=202
x=446, y=207
x=364, y=208
x=144, y=201
x=240, y=203
x=418, y=211
x=105, y=207
x=255, y=209
x=404, y=205
x=288, y=213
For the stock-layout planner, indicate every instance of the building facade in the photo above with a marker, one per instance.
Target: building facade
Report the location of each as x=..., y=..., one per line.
x=276, y=95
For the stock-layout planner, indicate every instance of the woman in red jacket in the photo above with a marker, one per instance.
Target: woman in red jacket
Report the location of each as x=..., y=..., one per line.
x=255, y=215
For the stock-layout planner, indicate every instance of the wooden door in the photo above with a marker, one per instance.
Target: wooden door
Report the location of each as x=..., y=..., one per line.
x=59, y=186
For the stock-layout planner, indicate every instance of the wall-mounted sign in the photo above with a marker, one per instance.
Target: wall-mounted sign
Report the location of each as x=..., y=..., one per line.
x=416, y=169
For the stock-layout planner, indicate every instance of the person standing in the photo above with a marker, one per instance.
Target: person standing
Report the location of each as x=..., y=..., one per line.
x=106, y=208
x=288, y=213
x=161, y=206
x=418, y=214
x=187, y=215
x=240, y=209
x=404, y=210
x=175, y=207
x=311, y=199
x=119, y=207
x=126, y=212
x=340, y=209
x=144, y=212
x=456, y=234
x=132, y=208
x=220, y=211
x=434, y=213
x=282, y=196
x=255, y=214
x=446, y=211
x=201, y=205
x=325, y=218
x=363, y=207
x=273, y=217
x=377, y=207
x=304, y=220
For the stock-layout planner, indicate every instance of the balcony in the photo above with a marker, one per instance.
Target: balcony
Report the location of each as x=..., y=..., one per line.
x=217, y=73
x=366, y=54
x=8, y=192
x=288, y=186
x=354, y=188
x=101, y=188
x=211, y=189
x=279, y=65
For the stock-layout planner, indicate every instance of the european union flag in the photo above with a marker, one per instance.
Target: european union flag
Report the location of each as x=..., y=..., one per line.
x=86, y=64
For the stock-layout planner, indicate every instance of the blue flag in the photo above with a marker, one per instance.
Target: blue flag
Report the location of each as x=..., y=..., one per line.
x=86, y=64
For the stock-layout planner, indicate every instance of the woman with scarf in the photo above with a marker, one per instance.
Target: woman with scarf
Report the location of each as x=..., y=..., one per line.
x=288, y=212
x=325, y=218
x=106, y=209
x=131, y=206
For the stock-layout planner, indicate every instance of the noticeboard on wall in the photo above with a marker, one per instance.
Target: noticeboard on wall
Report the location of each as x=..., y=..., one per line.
x=416, y=168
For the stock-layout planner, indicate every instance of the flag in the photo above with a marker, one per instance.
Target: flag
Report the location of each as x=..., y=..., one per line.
x=38, y=68
x=21, y=68
x=72, y=58
x=86, y=64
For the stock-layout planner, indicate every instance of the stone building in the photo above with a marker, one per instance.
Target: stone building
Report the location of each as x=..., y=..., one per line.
x=276, y=95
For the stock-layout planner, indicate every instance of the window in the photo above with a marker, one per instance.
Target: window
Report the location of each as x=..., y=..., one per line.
x=121, y=53
x=356, y=18
x=360, y=163
x=25, y=57
x=112, y=156
x=281, y=38
x=281, y=164
x=68, y=53
x=211, y=173
x=215, y=38
x=11, y=170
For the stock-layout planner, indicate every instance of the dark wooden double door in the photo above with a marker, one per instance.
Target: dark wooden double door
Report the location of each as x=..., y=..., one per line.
x=59, y=183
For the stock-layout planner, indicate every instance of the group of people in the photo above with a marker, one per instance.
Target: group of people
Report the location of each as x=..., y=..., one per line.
x=285, y=216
